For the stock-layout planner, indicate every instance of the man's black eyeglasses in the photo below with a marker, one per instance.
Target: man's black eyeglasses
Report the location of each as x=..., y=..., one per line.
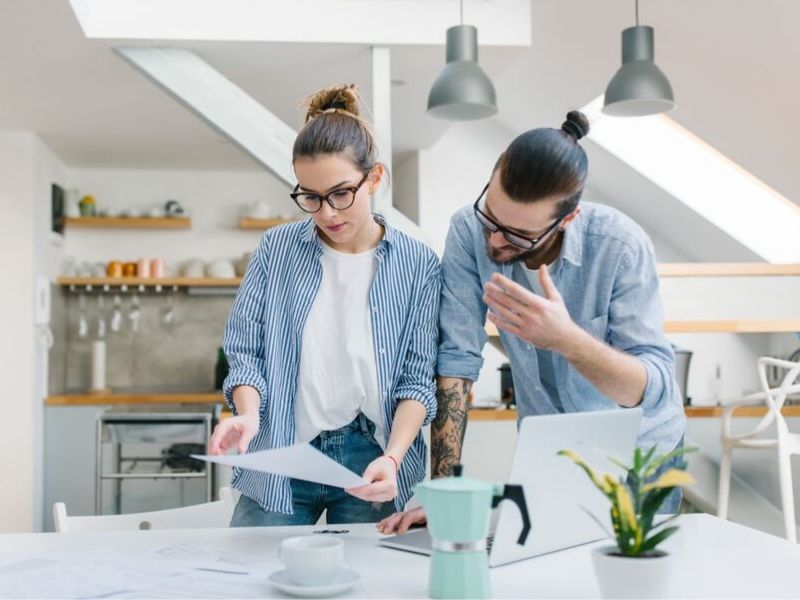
x=338, y=199
x=515, y=239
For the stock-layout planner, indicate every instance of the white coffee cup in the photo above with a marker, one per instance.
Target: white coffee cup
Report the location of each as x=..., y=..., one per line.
x=312, y=559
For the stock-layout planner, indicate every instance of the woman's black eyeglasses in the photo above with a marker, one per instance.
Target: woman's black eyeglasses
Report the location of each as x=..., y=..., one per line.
x=515, y=239
x=338, y=199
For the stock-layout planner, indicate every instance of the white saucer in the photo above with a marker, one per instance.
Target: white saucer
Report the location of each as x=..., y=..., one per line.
x=344, y=580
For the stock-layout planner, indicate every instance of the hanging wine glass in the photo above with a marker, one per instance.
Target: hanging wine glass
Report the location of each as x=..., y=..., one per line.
x=116, y=315
x=83, y=323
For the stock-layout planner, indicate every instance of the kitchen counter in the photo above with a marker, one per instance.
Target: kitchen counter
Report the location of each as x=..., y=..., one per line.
x=206, y=397
x=475, y=414
x=131, y=397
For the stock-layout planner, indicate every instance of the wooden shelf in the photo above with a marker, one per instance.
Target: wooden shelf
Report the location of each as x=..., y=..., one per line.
x=129, y=222
x=792, y=410
x=492, y=414
x=137, y=281
x=112, y=398
x=261, y=224
x=726, y=270
x=730, y=326
x=734, y=326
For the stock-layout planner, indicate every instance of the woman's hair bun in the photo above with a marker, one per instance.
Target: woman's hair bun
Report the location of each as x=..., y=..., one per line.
x=343, y=97
x=576, y=125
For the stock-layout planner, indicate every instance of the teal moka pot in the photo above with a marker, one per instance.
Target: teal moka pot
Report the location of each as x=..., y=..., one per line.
x=459, y=510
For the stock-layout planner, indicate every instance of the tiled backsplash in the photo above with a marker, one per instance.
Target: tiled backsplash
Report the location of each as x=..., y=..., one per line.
x=177, y=356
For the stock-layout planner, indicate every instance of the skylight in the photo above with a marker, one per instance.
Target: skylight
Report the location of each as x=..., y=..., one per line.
x=705, y=180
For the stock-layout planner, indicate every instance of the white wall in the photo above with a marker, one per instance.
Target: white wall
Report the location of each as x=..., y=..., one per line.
x=214, y=199
x=48, y=170
x=18, y=443
x=405, y=180
x=451, y=175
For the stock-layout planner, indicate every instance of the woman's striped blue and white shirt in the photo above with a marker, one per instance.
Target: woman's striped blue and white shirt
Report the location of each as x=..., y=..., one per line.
x=265, y=330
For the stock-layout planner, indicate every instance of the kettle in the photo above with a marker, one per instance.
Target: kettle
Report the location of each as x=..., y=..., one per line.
x=458, y=510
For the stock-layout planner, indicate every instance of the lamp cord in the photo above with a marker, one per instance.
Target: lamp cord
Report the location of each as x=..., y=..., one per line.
x=461, y=10
x=637, y=13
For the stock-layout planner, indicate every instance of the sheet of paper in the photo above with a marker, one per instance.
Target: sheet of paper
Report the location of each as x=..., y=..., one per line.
x=301, y=461
x=67, y=579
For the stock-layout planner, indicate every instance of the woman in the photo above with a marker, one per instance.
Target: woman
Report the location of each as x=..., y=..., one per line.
x=332, y=337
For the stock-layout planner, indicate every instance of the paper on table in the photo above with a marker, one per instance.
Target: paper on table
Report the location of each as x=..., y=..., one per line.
x=301, y=461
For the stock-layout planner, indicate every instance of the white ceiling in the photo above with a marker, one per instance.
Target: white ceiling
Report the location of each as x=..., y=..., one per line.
x=733, y=66
x=95, y=110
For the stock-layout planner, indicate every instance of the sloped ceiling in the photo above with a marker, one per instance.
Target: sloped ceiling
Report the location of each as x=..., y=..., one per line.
x=733, y=66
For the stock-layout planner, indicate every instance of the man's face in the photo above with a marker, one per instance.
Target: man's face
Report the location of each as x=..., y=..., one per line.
x=528, y=219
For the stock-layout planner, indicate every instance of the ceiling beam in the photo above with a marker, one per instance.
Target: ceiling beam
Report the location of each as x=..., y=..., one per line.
x=247, y=123
x=221, y=104
x=385, y=22
x=382, y=117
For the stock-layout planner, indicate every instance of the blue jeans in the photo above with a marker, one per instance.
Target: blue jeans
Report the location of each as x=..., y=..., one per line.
x=353, y=446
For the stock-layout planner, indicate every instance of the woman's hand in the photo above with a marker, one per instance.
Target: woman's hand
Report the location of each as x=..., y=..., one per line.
x=381, y=474
x=234, y=432
x=400, y=522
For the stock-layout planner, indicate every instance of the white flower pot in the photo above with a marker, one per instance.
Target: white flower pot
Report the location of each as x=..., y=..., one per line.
x=625, y=577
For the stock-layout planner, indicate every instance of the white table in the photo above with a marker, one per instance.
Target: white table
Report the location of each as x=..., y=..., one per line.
x=714, y=559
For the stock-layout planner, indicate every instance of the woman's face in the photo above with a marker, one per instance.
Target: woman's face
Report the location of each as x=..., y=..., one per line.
x=329, y=173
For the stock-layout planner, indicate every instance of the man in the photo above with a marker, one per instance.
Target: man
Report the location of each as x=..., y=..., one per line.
x=573, y=291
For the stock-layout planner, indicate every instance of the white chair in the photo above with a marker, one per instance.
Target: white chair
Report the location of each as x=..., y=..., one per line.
x=208, y=514
x=784, y=442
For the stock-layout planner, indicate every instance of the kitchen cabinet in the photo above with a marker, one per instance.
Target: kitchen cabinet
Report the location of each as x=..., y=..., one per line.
x=69, y=458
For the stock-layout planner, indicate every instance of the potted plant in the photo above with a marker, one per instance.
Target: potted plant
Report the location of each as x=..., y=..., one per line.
x=635, y=567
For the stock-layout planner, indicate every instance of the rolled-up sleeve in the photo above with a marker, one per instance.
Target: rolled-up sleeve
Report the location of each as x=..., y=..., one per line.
x=636, y=324
x=243, y=342
x=462, y=314
x=417, y=379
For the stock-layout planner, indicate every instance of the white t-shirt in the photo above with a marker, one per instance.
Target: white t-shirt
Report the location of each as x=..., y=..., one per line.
x=338, y=375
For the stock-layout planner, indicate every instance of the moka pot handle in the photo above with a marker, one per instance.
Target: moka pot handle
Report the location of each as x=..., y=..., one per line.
x=516, y=494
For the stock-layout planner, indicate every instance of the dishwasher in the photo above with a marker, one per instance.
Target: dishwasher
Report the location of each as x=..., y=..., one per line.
x=143, y=460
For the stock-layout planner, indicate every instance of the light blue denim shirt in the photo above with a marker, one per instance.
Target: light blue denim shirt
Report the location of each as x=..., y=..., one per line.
x=606, y=273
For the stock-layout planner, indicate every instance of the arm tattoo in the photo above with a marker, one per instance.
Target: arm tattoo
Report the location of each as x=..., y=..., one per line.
x=449, y=427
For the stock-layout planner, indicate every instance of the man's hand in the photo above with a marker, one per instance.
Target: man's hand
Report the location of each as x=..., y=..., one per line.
x=400, y=522
x=543, y=322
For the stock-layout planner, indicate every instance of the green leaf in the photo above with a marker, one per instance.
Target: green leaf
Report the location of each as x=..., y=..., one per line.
x=652, y=502
x=651, y=470
x=665, y=522
x=649, y=456
x=597, y=478
x=598, y=521
x=619, y=463
x=630, y=532
x=671, y=478
x=653, y=541
x=637, y=459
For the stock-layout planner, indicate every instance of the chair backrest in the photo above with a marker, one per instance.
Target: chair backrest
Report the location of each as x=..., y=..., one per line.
x=198, y=516
x=776, y=397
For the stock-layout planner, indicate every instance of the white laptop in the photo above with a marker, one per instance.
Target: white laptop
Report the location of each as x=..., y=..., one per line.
x=557, y=492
